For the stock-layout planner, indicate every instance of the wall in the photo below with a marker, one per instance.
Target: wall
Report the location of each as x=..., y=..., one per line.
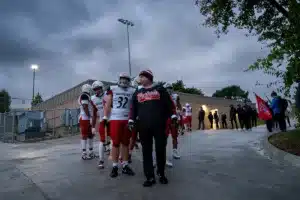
x=211, y=103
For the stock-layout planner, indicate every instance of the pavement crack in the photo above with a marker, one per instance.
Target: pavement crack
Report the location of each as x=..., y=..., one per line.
x=45, y=196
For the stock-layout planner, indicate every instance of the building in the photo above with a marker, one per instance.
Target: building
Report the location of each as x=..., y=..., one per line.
x=55, y=107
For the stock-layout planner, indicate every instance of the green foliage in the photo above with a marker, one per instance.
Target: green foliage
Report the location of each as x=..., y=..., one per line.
x=275, y=22
x=37, y=99
x=232, y=92
x=5, y=101
x=180, y=87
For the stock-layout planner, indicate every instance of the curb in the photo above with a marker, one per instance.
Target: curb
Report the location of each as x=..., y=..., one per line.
x=278, y=155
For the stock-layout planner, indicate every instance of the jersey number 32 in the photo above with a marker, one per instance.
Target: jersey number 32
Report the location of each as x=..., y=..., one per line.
x=122, y=102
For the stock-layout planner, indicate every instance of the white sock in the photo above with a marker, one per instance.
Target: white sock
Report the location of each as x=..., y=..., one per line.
x=101, y=151
x=83, y=145
x=90, y=143
x=115, y=164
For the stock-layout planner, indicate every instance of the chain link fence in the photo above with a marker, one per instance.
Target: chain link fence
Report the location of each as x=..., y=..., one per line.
x=34, y=125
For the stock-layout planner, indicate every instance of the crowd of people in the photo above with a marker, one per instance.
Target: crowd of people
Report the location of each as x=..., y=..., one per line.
x=243, y=117
x=127, y=111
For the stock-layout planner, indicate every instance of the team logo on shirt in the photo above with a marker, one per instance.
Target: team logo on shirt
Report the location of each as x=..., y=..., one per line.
x=148, y=96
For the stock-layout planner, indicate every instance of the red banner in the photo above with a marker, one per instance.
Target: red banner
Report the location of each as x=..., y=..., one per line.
x=264, y=111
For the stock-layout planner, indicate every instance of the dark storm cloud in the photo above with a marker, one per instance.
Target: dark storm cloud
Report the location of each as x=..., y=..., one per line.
x=80, y=39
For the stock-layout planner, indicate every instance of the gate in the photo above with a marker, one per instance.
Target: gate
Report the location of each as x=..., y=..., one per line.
x=7, y=126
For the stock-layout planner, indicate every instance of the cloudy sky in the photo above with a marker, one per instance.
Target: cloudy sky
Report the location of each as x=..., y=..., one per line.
x=75, y=40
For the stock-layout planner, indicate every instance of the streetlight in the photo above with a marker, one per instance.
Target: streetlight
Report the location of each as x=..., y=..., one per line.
x=34, y=68
x=127, y=23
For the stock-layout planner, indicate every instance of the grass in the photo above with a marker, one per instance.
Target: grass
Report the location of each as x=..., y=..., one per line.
x=287, y=141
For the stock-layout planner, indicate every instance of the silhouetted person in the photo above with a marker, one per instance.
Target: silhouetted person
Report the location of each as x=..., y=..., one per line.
x=247, y=116
x=241, y=116
x=224, y=120
x=201, y=117
x=269, y=123
x=210, y=119
x=232, y=114
x=254, y=117
x=216, y=118
x=278, y=110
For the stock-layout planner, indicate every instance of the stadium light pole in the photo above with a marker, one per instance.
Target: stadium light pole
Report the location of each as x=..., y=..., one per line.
x=34, y=68
x=127, y=23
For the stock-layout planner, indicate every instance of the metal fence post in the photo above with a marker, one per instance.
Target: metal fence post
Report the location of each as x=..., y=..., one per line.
x=4, y=126
x=13, y=126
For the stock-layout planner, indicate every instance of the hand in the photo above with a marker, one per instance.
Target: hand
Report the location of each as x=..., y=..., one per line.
x=131, y=125
x=93, y=131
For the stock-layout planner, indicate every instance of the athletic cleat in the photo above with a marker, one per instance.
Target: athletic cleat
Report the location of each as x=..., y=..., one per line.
x=127, y=170
x=169, y=164
x=114, y=172
x=101, y=164
x=176, y=154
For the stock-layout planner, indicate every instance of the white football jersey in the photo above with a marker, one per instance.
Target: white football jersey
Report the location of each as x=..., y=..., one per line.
x=81, y=102
x=121, y=101
x=188, y=111
x=98, y=102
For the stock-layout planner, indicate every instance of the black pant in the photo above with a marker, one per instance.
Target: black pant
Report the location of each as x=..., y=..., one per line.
x=247, y=123
x=269, y=124
x=235, y=122
x=160, y=138
x=242, y=122
x=201, y=124
x=224, y=124
x=280, y=119
x=211, y=123
x=217, y=124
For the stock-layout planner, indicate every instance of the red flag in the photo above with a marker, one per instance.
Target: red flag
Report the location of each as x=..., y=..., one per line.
x=264, y=111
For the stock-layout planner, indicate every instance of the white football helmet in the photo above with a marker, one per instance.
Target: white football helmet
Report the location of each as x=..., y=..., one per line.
x=86, y=88
x=187, y=105
x=124, y=80
x=98, y=87
x=97, y=84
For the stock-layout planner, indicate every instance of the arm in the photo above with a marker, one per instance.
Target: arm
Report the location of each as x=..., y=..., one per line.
x=133, y=107
x=94, y=118
x=85, y=100
x=108, y=103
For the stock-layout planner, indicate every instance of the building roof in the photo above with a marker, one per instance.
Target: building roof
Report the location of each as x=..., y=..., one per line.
x=89, y=81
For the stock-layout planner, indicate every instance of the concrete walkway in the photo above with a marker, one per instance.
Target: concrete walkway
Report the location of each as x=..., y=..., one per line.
x=215, y=165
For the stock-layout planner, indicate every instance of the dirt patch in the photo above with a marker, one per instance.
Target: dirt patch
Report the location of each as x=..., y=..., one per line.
x=287, y=141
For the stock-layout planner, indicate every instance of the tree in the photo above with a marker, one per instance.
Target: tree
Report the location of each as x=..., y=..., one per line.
x=37, y=99
x=234, y=92
x=5, y=101
x=180, y=87
x=275, y=22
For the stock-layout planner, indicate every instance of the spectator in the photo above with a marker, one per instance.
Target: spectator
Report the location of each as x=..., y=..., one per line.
x=232, y=114
x=278, y=110
x=241, y=116
x=216, y=118
x=224, y=120
x=248, y=116
x=210, y=119
x=254, y=117
x=201, y=116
